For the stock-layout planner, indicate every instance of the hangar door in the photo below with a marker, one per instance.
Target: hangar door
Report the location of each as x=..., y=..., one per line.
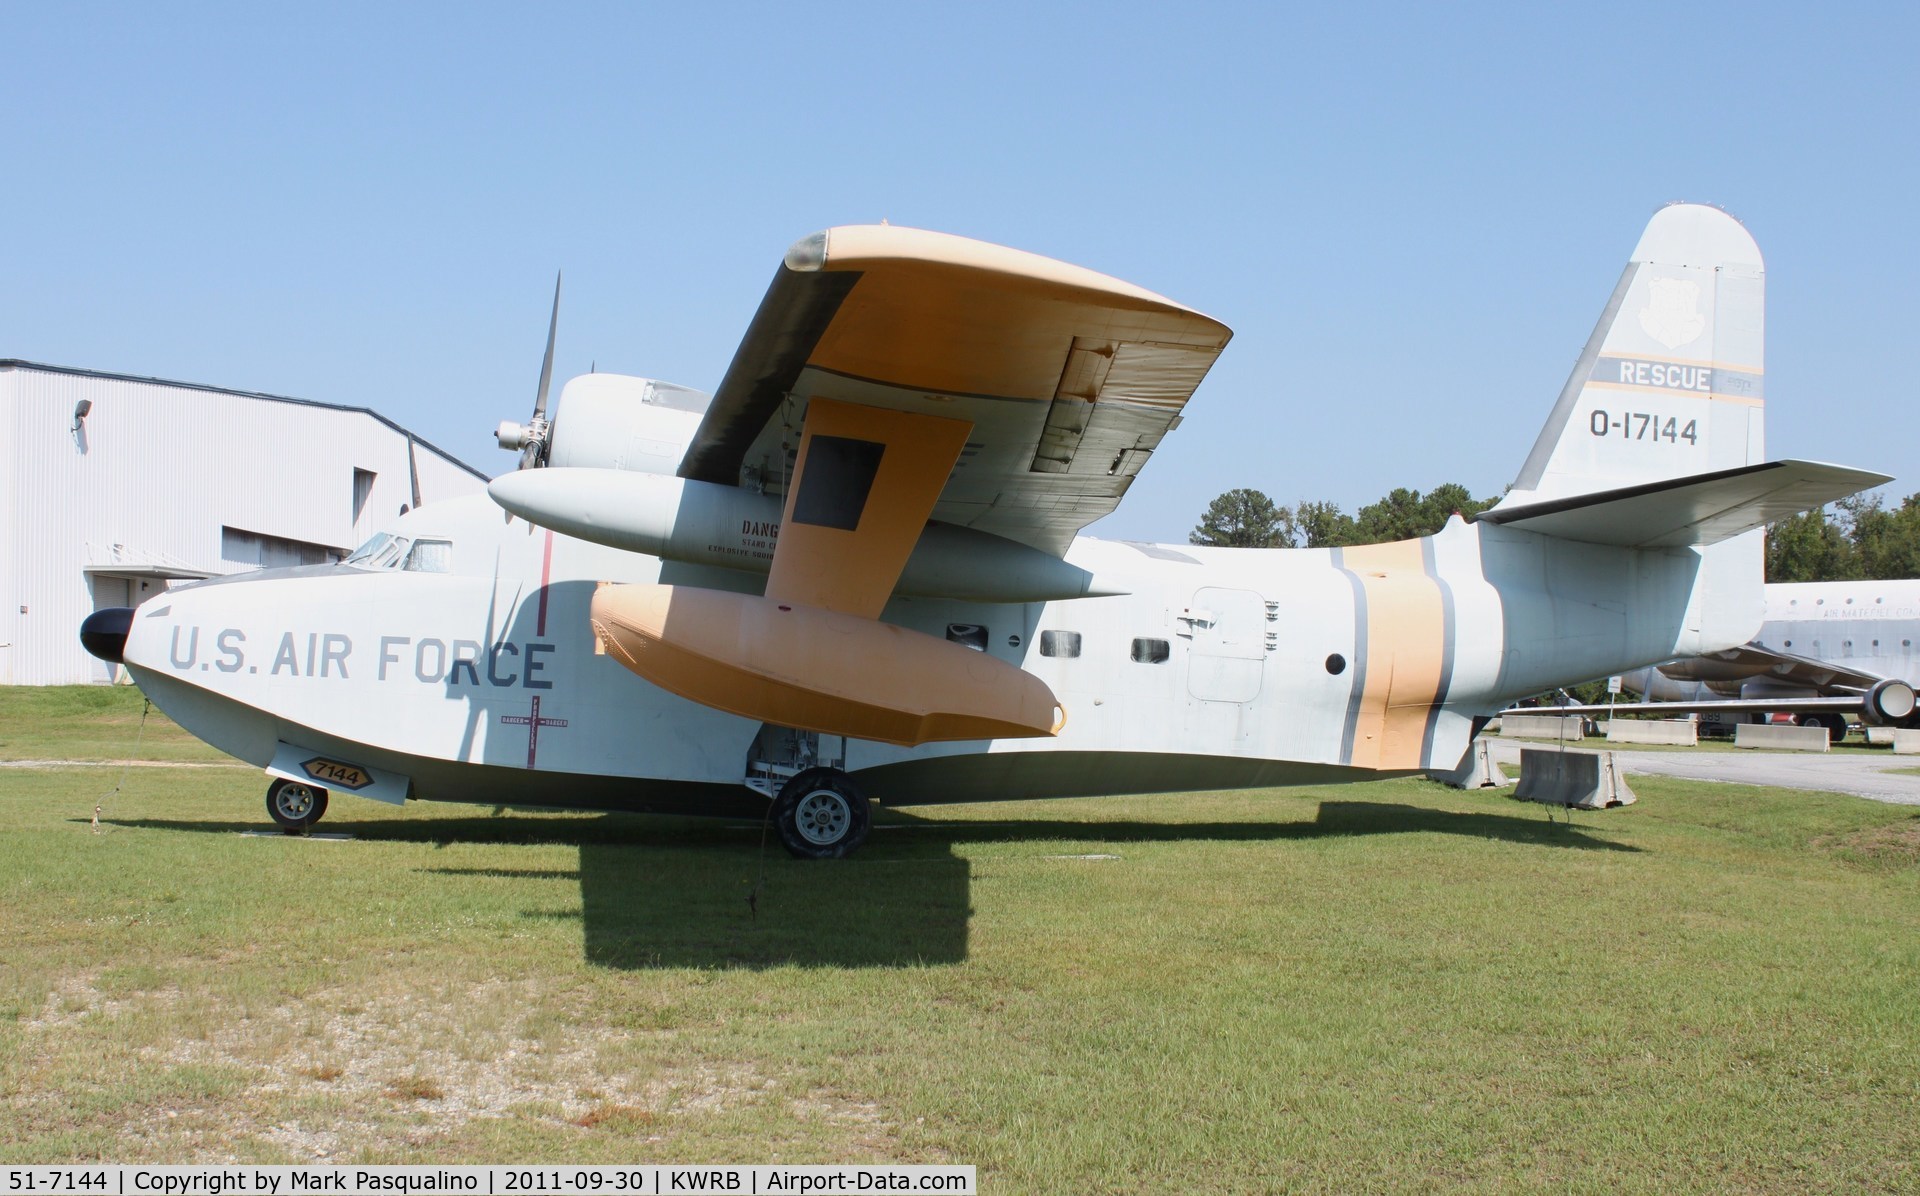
x=1229, y=629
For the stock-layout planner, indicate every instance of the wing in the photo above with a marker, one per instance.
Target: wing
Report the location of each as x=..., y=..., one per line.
x=1881, y=701
x=1751, y=661
x=1857, y=703
x=1064, y=379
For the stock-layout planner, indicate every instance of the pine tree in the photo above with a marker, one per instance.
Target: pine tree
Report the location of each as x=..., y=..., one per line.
x=1244, y=519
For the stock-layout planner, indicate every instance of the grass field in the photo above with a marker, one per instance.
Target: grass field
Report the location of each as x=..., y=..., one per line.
x=1385, y=986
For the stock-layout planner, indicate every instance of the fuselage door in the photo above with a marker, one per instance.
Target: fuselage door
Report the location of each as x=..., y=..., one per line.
x=1229, y=650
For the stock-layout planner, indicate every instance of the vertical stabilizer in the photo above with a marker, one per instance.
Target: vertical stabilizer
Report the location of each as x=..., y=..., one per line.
x=1670, y=383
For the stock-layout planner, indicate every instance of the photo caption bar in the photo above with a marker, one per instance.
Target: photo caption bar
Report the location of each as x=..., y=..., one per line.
x=122, y=1180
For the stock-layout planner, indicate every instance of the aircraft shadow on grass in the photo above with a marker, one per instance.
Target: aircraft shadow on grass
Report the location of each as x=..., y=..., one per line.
x=673, y=892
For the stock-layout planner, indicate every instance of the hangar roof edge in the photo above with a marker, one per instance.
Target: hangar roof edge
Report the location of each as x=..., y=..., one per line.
x=15, y=363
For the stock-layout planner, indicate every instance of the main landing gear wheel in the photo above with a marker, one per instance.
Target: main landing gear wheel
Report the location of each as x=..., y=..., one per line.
x=1836, y=724
x=821, y=815
x=295, y=805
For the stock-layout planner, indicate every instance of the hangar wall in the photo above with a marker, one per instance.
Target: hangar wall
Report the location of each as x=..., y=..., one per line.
x=163, y=481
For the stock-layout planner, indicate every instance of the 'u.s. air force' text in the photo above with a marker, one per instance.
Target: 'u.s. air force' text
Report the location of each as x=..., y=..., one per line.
x=503, y=664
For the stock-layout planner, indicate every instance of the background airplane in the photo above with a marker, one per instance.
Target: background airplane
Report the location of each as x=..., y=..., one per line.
x=1826, y=639
x=856, y=571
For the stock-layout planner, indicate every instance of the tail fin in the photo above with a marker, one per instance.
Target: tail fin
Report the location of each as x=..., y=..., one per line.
x=1669, y=384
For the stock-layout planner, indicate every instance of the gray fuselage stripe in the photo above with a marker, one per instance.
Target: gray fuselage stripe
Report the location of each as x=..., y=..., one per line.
x=1357, y=670
x=1447, y=623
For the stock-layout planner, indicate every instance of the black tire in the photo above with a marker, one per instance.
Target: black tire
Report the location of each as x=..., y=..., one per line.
x=821, y=815
x=1836, y=724
x=295, y=805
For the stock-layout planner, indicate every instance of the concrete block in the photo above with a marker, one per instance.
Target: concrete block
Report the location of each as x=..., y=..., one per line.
x=1653, y=730
x=1880, y=736
x=1906, y=743
x=1478, y=771
x=1541, y=726
x=1781, y=738
x=1583, y=780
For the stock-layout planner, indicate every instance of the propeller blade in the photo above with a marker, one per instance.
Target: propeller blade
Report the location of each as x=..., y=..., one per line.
x=538, y=433
x=546, y=364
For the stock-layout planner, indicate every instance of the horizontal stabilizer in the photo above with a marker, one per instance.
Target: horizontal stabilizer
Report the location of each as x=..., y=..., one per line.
x=1702, y=509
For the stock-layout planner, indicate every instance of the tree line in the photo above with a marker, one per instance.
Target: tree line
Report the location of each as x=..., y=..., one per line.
x=1856, y=539
x=1249, y=519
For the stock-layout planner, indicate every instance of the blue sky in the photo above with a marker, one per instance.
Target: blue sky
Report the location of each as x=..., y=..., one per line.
x=1411, y=216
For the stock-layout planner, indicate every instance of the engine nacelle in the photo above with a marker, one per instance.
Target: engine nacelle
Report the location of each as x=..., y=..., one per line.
x=702, y=523
x=612, y=421
x=1889, y=703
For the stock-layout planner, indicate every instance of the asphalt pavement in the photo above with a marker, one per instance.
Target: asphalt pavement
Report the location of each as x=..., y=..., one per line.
x=1848, y=772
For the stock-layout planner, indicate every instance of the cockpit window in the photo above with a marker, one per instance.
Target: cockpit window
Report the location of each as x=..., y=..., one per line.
x=387, y=551
x=430, y=556
x=382, y=552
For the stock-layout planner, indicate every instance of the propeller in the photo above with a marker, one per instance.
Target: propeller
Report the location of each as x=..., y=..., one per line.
x=534, y=438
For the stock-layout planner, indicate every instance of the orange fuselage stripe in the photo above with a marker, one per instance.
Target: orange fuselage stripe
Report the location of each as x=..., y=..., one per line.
x=1406, y=651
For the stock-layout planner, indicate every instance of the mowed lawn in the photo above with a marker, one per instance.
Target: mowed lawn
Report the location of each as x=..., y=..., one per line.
x=1384, y=986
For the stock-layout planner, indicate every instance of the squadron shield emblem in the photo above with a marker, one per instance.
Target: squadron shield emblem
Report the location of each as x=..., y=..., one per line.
x=1672, y=314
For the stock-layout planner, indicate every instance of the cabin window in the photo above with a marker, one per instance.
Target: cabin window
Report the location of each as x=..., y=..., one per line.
x=430, y=556
x=1059, y=643
x=971, y=635
x=1150, y=651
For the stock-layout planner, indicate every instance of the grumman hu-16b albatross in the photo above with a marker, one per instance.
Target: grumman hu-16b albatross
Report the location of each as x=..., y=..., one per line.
x=855, y=570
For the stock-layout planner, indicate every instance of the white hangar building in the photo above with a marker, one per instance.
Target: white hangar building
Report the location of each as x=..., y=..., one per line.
x=113, y=487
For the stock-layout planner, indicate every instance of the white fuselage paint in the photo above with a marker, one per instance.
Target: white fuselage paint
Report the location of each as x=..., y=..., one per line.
x=435, y=675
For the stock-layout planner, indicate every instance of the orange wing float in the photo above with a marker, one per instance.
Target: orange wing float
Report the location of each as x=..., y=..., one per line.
x=894, y=376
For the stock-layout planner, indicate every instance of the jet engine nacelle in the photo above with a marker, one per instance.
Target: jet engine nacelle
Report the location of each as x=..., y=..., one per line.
x=701, y=523
x=612, y=421
x=1890, y=703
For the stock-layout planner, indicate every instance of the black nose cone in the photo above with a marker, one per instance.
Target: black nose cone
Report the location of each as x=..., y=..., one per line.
x=104, y=633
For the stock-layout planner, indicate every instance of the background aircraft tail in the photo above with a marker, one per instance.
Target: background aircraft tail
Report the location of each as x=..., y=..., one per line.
x=1670, y=383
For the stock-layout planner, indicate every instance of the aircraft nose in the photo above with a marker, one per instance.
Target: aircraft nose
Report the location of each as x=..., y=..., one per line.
x=104, y=633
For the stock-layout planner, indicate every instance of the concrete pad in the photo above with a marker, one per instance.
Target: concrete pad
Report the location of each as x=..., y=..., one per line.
x=1781, y=738
x=1541, y=726
x=1653, y=730
x=1478, y=771
x=1880, y=736
x=1582, y=780
x=1906, y=743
